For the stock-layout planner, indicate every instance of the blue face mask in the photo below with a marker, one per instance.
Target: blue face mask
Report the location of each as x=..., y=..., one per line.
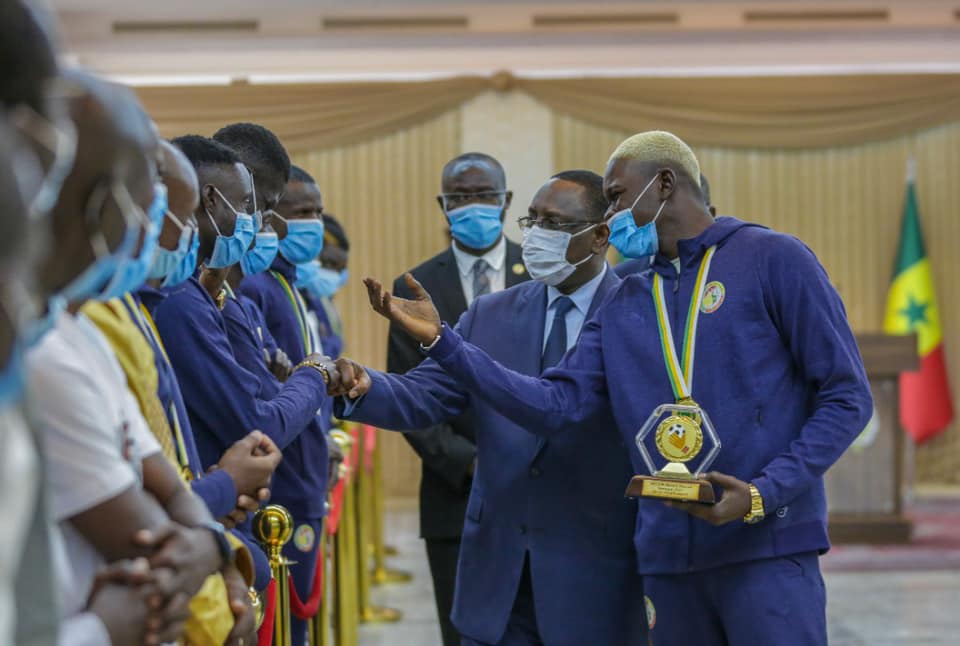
x=228, y=250
x=304, y=240
x=165, y=261
x=634, y=241
x=93, y=279
x=318, y=280
x=12, y=376
x=261, y=256
x=187, y=264
x=132, y=272
x=476, y=226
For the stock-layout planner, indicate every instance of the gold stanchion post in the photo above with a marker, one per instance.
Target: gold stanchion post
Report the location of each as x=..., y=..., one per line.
x=381, y=574
x=345, y=613
x=273, y=527
x=364, y=511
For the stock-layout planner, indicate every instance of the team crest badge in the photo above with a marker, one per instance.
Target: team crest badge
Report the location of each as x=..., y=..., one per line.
x=713, y=295
x=651, y=612
x=304, y=538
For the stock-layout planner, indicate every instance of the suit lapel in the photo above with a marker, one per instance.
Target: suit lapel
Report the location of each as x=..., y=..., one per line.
x=448, y=296
x=515, y=272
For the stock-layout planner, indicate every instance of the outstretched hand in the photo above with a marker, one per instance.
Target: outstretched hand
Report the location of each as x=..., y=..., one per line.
x=418, y=317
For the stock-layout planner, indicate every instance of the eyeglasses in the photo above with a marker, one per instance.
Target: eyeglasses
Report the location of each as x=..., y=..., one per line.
x=453, y=201
x=550, y=224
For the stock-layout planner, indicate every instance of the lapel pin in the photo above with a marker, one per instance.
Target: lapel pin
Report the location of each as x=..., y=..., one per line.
x=518, y=269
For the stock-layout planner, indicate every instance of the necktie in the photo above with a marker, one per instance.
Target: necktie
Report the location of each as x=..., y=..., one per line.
x=481, y=282
x=557, y=341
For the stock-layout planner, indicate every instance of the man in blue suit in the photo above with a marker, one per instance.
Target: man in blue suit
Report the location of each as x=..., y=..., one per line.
x=547, y=554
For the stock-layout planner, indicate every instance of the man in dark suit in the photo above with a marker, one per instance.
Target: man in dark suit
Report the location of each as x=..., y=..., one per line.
x=547, y=554
x=628, y=267
x=474, y=201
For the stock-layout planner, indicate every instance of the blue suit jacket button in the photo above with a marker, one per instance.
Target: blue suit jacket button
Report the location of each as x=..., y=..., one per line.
x=535, y=472
x=523, y=529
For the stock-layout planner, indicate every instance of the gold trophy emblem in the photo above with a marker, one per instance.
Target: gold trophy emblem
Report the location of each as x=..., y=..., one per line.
x=681, y=430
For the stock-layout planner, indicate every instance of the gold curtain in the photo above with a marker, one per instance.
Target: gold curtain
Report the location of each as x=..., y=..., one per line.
x=846, y=203
x=763, y=112
x=307, y=116
x=759, y=112
x=383, y=193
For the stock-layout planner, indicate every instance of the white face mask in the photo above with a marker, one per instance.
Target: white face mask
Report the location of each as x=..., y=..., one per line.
x=545, y=254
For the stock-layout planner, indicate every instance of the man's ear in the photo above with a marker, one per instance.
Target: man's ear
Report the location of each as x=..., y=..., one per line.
x=507, y=200
x=440, y=203
x=601, y=237
x=208, y=198
x=667, y=184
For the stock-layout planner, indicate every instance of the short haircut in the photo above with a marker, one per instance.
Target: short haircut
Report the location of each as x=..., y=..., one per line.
x=482, y=158
x=660, y=147
x=705, y=189
x=27, y=55
x=333, y=232
x=257, y=147
x=297, y=174
x=592, y=184
x=204, y=152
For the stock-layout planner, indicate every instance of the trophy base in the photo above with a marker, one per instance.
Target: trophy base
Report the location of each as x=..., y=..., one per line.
x=682, y=489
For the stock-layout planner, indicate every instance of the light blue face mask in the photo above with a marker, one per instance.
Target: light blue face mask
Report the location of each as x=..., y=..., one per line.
x=634, y=241
x=93, y=279
x=12, y=377
x=476, y=226
x=318, y=280
x=260, y=257
x=132, y=272
x=166, y=262
x=228, y=250
x=187, y=264
x=304, y=240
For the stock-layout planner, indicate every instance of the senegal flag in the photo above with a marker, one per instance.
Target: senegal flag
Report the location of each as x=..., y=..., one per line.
x=925, y=404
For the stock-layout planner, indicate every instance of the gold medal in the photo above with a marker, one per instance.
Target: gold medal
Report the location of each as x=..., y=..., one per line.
x=679, y=438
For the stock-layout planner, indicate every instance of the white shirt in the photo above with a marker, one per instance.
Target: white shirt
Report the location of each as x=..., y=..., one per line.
x=497, y=273
x=576, y=315
x=18, y=478
x=94, y=440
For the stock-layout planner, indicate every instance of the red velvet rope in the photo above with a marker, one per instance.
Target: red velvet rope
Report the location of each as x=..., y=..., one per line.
x=369, y=445
x=306, y=611
x=336, y=505
x=265, y=634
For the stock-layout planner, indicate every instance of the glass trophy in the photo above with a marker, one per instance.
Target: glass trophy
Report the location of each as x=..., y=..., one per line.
x=687, y=444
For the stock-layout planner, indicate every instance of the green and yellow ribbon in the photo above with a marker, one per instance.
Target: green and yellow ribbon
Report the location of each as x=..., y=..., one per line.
x=299, y=309
x=681, y=372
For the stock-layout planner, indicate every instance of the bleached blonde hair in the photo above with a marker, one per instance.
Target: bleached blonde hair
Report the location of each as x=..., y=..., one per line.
x=659, y=146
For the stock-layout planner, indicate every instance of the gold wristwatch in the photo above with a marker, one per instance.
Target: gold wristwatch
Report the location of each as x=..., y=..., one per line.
x=316, y=365
x=755, y=515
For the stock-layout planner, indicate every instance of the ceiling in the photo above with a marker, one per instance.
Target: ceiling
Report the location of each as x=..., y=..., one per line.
x=223, y=40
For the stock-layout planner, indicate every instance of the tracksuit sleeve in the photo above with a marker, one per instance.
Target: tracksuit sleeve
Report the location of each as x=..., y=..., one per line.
x=219, y=391
x=569, y=395
x=813, y=324
x=217, y=491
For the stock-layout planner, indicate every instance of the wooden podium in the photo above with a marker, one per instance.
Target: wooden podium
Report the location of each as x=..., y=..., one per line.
x=865, y=487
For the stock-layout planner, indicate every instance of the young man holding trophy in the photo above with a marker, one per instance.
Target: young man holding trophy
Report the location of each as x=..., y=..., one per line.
x=735, y=338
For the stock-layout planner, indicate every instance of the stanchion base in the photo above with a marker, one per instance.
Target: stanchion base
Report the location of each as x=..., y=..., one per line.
x=390, y=550
x=381, y=576
x=380, y=615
